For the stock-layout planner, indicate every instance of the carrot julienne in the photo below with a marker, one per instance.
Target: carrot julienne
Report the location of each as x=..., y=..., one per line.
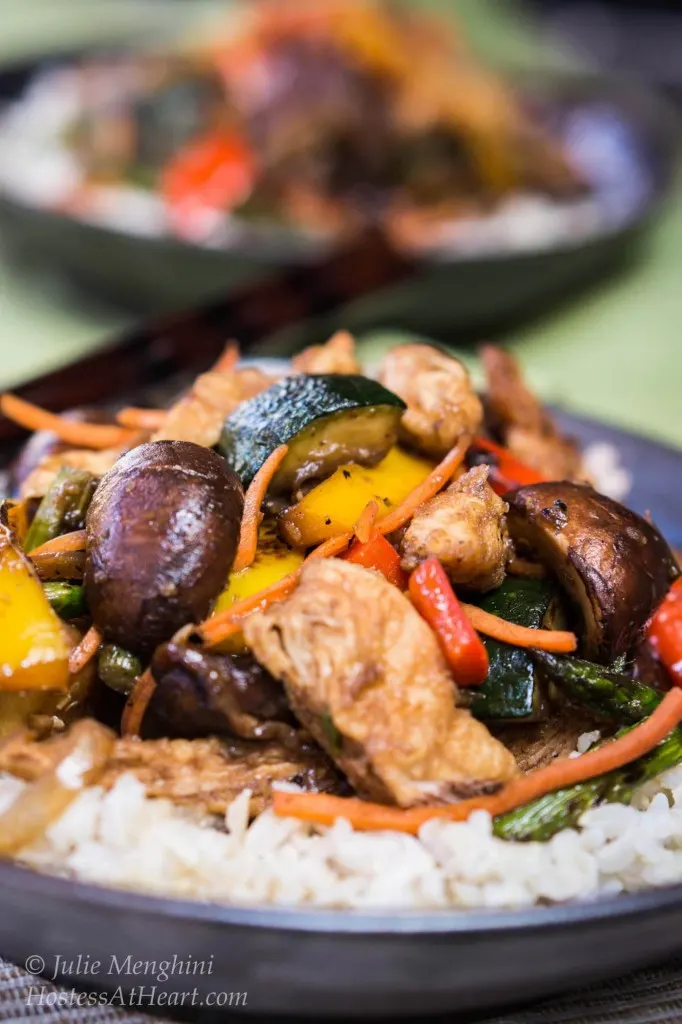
x=554, y=640
x=74, y=541
x=331, y=547
x=251, y=516
x=228, y=360
x=141, y=419
x=365, y=524
x=427, y=489
x=85, y=650
x=80, y=435
x=137, y=704
x=226, y=624
x=322, y=809
x=221, y=627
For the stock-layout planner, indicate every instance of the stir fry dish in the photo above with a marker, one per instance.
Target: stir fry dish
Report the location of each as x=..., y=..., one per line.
x=388, y=600
x=318, y=116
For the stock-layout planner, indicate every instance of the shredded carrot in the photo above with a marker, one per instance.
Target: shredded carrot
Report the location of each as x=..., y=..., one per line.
x=532, y=570
x=226, y=624
x=141, y=419
x=137, y=704
x=331, y=547
x=427, y=489
x=85, y=650
x=221, y=627
x=74, y=541
x=228, y=360
x=365, y=524
x=80, y=435
x=568, y=771
x=555, y=640
x=251, y=516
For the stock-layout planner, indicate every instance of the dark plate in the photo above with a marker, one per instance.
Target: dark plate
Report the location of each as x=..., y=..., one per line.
x=309, y=962
x=626, y=138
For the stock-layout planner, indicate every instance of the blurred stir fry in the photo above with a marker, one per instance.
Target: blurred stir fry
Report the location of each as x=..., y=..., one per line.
x=314, y=115
x=359, y=584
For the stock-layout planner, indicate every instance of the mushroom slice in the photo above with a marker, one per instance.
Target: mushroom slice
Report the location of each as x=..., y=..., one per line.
x=613, y=563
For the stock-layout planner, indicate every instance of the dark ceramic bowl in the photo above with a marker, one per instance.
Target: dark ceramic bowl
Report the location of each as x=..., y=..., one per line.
x=622, y=135
x=312, y=962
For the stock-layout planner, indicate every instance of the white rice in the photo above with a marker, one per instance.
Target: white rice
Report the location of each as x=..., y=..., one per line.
x=602, y=461
x=125, y=840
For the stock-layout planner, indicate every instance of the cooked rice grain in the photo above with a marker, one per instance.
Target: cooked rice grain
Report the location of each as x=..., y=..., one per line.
x=123, y=839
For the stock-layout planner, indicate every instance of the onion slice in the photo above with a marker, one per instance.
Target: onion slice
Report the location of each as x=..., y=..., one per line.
x=86, y=753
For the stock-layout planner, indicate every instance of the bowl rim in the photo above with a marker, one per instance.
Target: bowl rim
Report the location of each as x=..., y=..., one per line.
x=628, y=907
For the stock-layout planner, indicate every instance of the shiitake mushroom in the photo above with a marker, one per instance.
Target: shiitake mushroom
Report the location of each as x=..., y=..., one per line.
x=162, y=531
x=613, y=564
x=200, y=693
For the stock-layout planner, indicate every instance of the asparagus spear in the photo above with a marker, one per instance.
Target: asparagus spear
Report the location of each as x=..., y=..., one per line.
x=615, y=697
x=63, y=508
x=118, y=669
x=610, y=695
x=542, y=818
x=67, y=599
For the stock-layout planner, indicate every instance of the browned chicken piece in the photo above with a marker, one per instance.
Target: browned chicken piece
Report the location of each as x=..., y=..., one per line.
x=442, y=405
x=465, y=528
x=199, y=415
x=37, y=483
x=526, y=427
x=336, y=356
x=206, y=775
x=365, y=675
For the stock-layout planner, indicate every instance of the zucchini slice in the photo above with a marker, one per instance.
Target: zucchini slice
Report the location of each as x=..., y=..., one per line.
x=326, y=419
x=513, y=689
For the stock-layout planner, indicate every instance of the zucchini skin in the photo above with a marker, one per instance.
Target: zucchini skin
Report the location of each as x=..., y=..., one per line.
x=610, y=695
x=289, y=407
x=511, y=690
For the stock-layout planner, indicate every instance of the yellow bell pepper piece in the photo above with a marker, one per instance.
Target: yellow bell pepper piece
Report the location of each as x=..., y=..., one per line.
x=34, y=654
x=335, y=504
x=274, y=560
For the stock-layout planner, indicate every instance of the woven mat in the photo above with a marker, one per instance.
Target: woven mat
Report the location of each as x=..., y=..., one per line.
x=646, y=997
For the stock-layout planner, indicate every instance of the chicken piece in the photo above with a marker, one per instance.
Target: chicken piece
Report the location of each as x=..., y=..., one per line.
x=526, y=427
x=465, y=528
x=205, y=774
x=442, y=405
x=38, y=481
x=199, y=415
x=365, y=675
x=336, y=356
x=210, y=774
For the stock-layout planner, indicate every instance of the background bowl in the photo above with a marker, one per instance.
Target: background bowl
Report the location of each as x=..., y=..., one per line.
x=513, y=267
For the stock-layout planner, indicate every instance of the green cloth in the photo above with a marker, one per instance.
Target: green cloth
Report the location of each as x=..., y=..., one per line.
x=613, y=353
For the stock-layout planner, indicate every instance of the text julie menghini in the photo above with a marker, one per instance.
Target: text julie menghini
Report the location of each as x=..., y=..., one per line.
x=148, y=992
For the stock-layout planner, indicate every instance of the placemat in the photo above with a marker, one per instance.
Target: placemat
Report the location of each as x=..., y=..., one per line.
x=645, y=997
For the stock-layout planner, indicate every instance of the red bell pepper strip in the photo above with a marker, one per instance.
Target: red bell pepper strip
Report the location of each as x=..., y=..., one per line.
x=507, y=472
x=215, y=172
x=436, y=601
x=378, y=554
x=665, y=632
